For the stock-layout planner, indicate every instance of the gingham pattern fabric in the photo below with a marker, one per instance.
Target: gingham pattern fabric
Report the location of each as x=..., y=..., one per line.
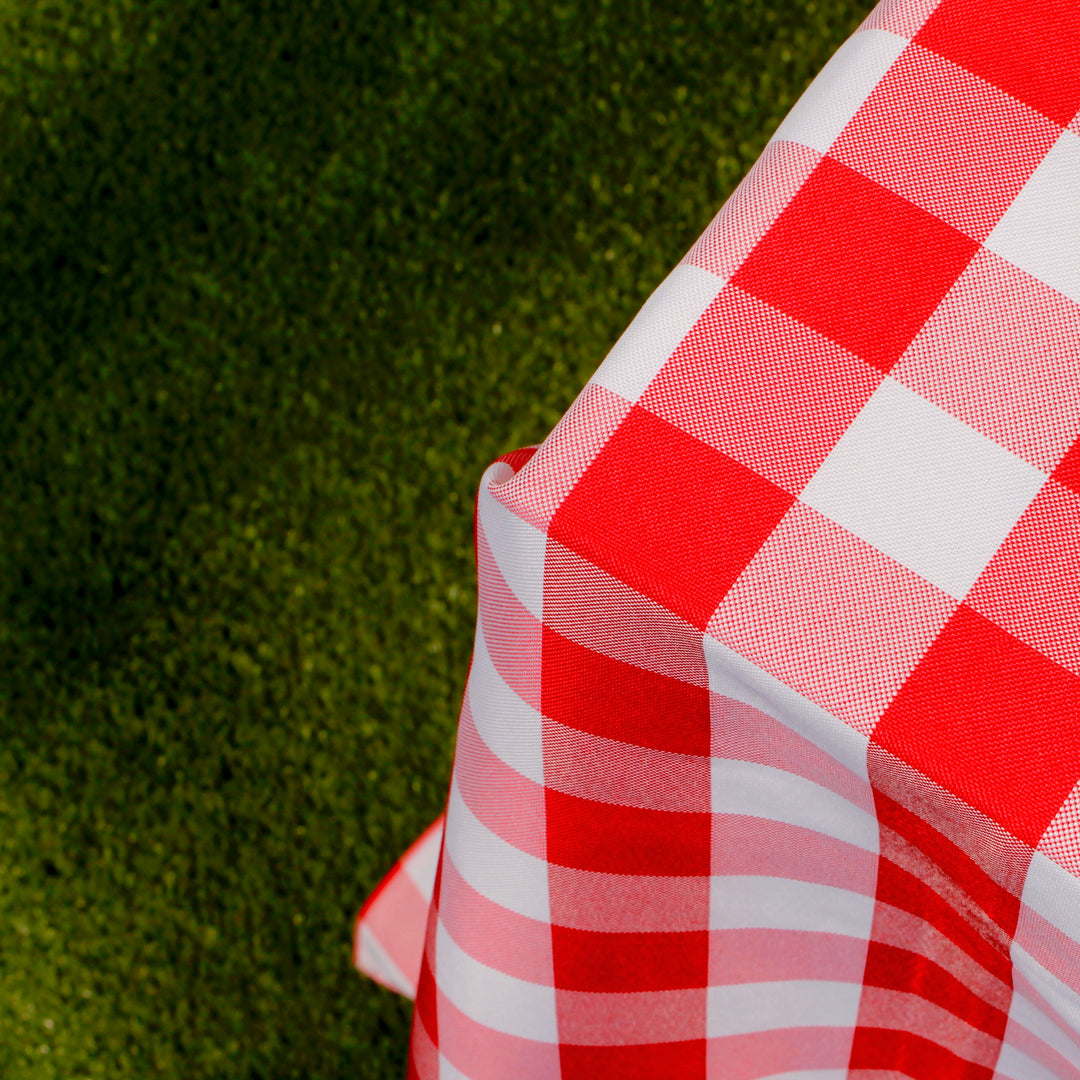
x=767, y=763
x=388, y=933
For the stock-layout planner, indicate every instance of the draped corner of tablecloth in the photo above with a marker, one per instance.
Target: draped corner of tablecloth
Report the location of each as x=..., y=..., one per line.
x=388, y=934
x=768, y=758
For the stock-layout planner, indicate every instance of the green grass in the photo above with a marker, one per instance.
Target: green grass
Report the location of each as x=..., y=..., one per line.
x=278, y=281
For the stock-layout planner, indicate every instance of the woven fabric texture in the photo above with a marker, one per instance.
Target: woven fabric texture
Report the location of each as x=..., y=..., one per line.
x=767, y=763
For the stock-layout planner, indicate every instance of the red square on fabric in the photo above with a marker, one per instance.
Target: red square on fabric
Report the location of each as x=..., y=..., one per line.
x=621, y=963
x=762, y=387
x=910, y=971
x=1029, y=50
x=1032, y=585
x=856, y=262
x=946, y=140
x=673, y=518
x=913, y=890
x=585, y=690
x=654, y=1061
x=992, y=720
x=875, y=1048
x=589, y=835
x=1068, y=468
x=426, y=1011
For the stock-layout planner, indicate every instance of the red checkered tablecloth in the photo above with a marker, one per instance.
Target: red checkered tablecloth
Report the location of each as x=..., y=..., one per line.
x=767, y=763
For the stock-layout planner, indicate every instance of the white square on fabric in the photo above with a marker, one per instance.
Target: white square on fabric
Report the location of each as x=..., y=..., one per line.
x=750, y=789
x=421, y=863
x=745, y=1008
x=1050, y=894
x=1033, y=1017
x=447, y=1071
x=754, y=901
x=663, y=321
x=516, y=545
x=845, y=82
x=510, y=727
x=1038, y=232
x=923, y=487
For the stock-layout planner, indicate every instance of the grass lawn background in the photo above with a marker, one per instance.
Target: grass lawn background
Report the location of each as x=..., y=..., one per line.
x=278, y=281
